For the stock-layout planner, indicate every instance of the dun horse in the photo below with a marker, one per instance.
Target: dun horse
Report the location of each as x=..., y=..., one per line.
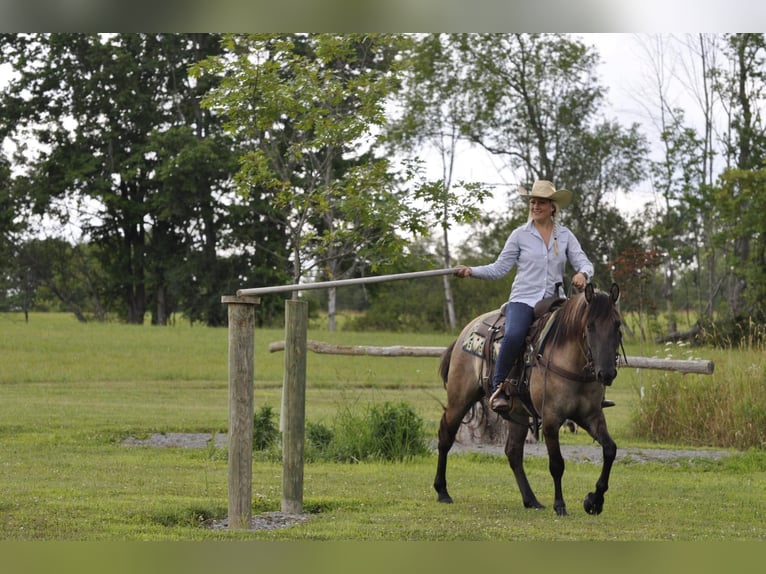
x=567, y=380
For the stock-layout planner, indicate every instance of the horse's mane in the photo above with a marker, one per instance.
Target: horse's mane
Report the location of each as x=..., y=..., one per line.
x=576, y=311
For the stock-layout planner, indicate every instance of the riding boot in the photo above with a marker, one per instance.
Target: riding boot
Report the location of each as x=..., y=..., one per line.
x=500, y=400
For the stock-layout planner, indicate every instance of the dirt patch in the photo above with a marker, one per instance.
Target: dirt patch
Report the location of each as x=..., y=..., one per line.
x=585, y=453
x=575, y=453
x=180, y=440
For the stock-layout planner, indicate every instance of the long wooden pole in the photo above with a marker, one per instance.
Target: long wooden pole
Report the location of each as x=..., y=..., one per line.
x=343, y=282
x=241, y=379
x=296, y=327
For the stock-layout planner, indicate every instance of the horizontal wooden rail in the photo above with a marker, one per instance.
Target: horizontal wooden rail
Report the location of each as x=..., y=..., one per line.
x=693, y=366
x=395, y=351
x=686, y=366
x=344, y=282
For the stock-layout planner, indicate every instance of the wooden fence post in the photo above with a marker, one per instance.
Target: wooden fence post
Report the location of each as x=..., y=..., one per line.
x=294, y=391
x=241, y=412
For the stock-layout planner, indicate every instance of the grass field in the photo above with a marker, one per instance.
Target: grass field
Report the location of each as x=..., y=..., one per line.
x=71, y=393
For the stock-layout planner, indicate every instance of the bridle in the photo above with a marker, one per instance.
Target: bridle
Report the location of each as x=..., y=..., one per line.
x=588, y=373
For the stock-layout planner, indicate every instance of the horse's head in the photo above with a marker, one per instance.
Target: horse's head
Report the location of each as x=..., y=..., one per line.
x=603, y=334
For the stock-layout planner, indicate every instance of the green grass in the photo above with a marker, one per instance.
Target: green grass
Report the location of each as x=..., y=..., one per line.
x=70, y=393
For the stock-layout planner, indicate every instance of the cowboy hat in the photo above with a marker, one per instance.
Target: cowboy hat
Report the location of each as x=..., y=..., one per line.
x=545, y=190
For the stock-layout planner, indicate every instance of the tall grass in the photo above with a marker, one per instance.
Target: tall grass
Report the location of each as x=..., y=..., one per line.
x=727, y=409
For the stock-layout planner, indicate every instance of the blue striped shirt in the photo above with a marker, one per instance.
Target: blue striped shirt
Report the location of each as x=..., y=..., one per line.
x=539, y=268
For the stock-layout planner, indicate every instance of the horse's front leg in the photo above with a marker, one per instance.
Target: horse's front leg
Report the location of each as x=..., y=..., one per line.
x=594, y=501
x=555, y=464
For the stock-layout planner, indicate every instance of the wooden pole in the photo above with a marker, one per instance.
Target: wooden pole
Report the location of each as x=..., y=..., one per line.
x=320, y=347
x=296, y=328
x=686, y=366
x=344, y=282
x=241, y=379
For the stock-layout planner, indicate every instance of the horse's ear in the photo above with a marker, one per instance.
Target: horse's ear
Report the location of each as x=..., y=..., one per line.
x=615, y=292
x=589, y=292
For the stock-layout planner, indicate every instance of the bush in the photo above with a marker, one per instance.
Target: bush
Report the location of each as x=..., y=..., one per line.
x=265, y=431
x=391, y=432
x=318, y=440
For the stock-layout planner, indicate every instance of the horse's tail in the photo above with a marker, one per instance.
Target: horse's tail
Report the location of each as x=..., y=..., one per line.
x=444, y=365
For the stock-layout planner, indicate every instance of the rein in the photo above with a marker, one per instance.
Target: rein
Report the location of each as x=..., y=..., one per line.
x=587, y=377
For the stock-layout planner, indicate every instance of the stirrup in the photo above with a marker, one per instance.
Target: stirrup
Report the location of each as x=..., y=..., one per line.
x=512, y=387
x=499, y=401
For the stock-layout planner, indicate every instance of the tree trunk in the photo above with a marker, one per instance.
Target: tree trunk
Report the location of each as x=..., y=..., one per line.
x=162, y=312
x=448, y=301
x=331, y=304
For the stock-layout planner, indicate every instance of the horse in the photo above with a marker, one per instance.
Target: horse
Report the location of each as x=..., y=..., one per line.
x=566, y=380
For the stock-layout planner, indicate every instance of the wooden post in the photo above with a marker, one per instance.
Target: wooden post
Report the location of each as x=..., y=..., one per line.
x=294, y=390
x=241, y=380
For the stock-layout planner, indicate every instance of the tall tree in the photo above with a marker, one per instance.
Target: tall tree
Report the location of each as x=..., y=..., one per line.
x=536, y=103
x=743, y=87
x=430, y=115
x=118, y=132
x=310, y=106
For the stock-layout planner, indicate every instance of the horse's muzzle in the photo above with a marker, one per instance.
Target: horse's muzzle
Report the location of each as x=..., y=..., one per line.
x=606, y=376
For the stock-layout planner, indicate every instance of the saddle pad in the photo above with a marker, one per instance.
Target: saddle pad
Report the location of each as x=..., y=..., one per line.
x=476, y=339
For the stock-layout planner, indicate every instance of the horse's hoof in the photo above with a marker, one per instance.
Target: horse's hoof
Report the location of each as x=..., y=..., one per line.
x=534, y=505
x=593, y=504
x=445, y=498
x=561, y=509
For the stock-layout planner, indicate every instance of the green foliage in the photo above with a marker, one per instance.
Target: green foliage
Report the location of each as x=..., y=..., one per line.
x=387, y=432
x=265, y=429
x=310, y=104
x=319, y=439
x=126, y=142
x=706, y=411
x=733, y=332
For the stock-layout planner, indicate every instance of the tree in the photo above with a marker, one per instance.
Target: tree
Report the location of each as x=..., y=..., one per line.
x=742, y=87
x=309, y=107
x=432, y=107
x=71, y=274
x=535, y=102
x=111, y=125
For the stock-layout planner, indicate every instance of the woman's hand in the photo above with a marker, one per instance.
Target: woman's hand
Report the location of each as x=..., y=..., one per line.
x=579, y=280
x=462, y=271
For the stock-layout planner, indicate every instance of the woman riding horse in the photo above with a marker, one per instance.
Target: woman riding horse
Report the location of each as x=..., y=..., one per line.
x=540, y=250
x=567, y=378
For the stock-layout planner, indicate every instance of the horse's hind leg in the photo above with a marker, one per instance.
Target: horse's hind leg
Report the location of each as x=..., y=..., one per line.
x=514, y=450
x=448, y=427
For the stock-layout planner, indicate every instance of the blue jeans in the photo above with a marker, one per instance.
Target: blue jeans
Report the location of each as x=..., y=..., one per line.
x=518, y=318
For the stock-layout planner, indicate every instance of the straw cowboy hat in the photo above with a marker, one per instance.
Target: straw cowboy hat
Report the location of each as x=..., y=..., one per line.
x=544, y=189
